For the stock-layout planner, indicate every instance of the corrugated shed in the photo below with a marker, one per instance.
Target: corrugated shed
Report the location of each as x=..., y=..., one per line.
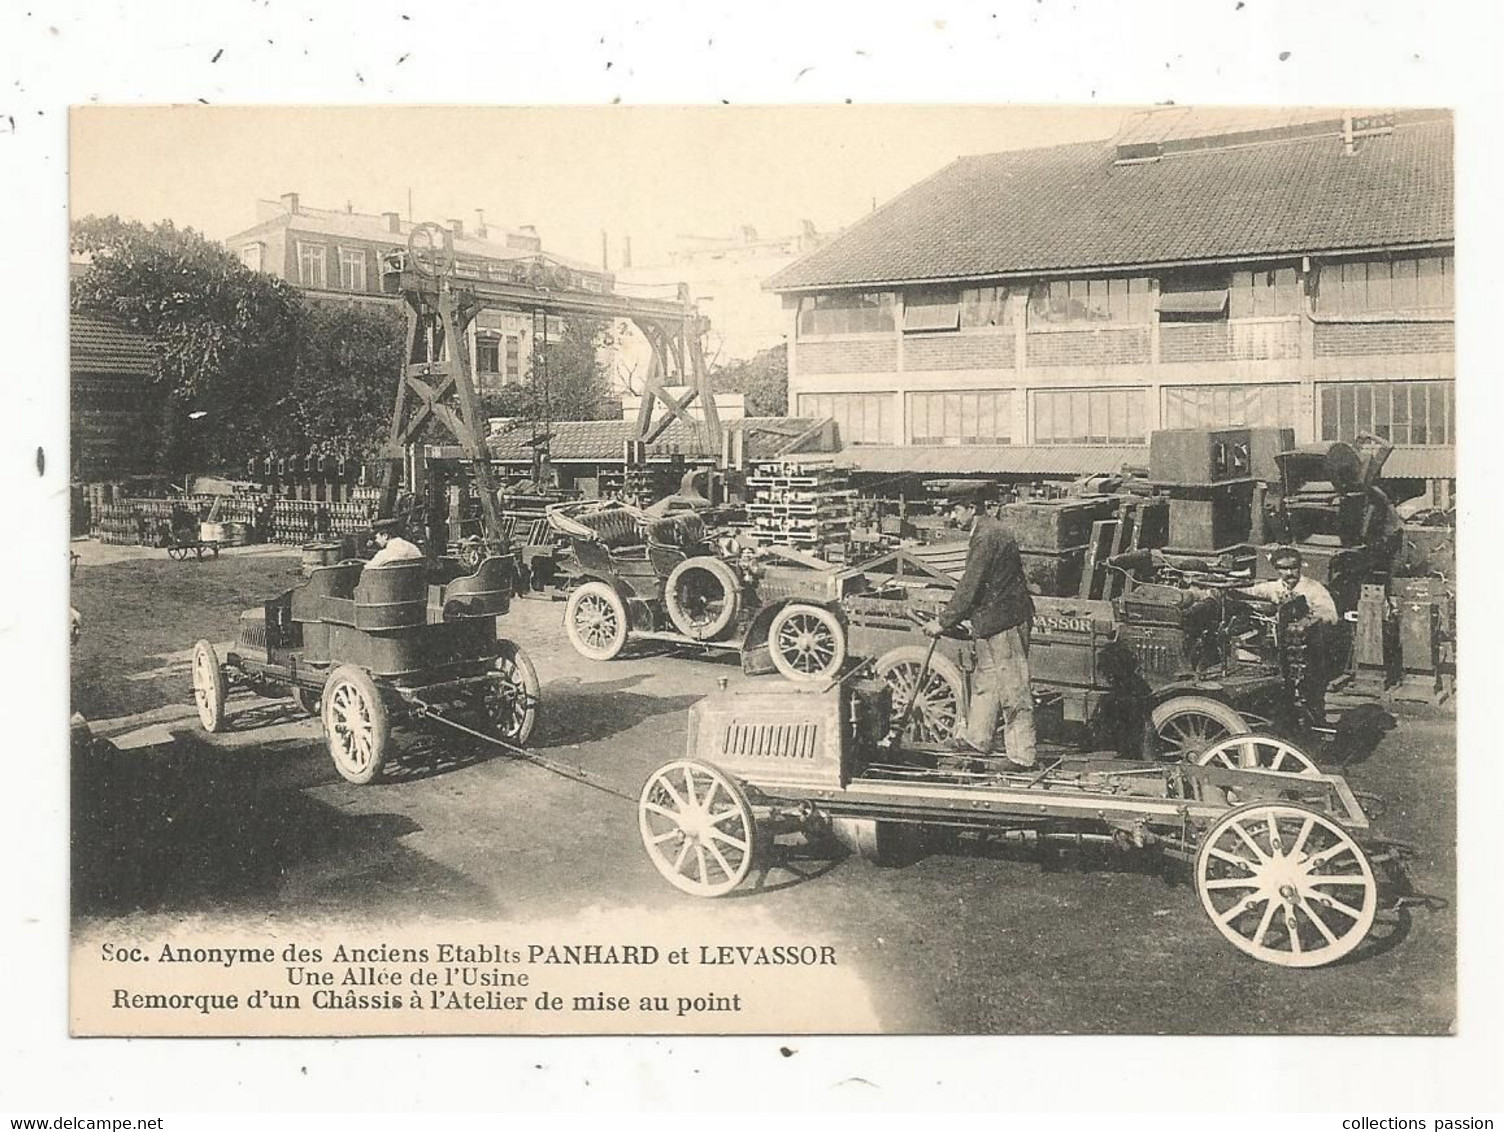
x=99, y=346
x=1065, y=208
x=1438, y=463
x=766, y=437
x=1012, y=459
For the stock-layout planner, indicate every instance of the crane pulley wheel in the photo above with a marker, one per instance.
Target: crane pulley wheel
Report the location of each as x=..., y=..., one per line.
x=433, y=255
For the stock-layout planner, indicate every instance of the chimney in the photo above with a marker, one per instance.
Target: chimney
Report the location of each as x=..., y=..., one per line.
x=748, y=234
x=626, y=251
x=1347, y=135
x=393, y=222
x=290, y=202
x=605, y=253
x=458, y=226
x=480, y=223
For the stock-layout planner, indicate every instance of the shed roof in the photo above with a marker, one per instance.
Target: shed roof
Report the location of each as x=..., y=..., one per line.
x=1072, y=208
x=97, y=345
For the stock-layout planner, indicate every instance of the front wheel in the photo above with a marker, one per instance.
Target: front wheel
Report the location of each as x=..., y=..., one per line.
x=511, y=695
x=807, y=642
x=1259, y=752
x=356, y=726
x=697, y=827
x=1188, y=725
x=595, y=620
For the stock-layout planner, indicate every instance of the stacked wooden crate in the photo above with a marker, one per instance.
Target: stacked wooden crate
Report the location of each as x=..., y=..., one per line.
x=803, y=503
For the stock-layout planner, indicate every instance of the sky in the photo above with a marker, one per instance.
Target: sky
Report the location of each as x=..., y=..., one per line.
x=648, y=173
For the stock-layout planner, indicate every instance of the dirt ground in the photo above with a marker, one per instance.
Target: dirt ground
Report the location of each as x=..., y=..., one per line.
x=176, y=826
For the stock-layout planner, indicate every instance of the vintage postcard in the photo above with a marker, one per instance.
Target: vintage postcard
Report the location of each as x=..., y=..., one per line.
x=1000, y=582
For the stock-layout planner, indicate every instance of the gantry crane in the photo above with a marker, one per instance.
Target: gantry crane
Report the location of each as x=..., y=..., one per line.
x=437, y=381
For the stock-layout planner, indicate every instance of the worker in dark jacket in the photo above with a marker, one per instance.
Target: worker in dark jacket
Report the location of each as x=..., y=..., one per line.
x=994, y=597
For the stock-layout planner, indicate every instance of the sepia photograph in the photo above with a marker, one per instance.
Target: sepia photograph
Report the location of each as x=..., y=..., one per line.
x=912, y=569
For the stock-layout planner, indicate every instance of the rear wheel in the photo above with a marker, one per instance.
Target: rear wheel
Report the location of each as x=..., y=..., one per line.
x=209, y=689
x=595, y=620
x=356, y=726
x=1259, y=752
x=510, y=699
x=807, y=642
x=1188, y=725
x=1286, y=884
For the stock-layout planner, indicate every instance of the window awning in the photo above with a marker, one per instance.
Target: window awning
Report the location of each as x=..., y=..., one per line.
x=932, y=316
x=1193, y=302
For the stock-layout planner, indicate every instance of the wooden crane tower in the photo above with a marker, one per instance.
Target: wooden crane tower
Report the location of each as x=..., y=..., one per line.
x=437, y=380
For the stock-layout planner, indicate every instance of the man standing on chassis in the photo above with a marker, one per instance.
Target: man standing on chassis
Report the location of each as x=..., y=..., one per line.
x=995, y=598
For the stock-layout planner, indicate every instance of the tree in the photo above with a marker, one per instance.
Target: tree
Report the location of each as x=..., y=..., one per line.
x=225, y=334
x=347, y=359
x=567, y=380
x=763, y=379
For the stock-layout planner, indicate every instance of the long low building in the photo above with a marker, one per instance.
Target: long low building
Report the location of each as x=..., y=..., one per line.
x=1040, y=312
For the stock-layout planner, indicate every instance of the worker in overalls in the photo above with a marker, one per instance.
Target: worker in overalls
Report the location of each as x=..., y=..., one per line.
x=994, y=597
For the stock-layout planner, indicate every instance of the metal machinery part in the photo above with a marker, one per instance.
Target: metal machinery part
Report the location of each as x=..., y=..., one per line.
x=1283, y=857
x=437, y=380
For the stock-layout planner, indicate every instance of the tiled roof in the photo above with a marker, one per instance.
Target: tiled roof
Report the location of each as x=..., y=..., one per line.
x=1069, y=208
x=98, y=346
x=603, y=440
x=1012, y=459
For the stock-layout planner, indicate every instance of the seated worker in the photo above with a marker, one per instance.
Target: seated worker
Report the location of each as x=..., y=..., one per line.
x=994, y=597
x=1287, y=563
x=392, y=547
x=1321, y=646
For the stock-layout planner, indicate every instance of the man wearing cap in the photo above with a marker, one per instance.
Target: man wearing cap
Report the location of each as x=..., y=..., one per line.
x=995, y=598
x=392, y=547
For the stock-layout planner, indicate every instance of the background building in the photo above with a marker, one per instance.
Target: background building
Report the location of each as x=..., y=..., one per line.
x=1039, y=312
x=337, y=255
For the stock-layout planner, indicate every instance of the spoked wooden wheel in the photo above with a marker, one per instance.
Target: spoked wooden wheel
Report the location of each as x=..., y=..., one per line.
x=1188, y=725
x=177, y=553
x=697, y=827
x=209, y=691
x=510, y=697
x=1259, y=752
x=939, y=710
x=807, y=642
x=1286, y=884
x=355, y=724
x=595, y=621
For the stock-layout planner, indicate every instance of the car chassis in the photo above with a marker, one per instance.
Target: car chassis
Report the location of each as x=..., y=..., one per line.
x=1284, y=860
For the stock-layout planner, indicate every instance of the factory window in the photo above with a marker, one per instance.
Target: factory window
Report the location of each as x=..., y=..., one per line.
x=352, y=269
x=965, y=416
x=848, y=312
x=514, y=357
x=1089, y=416
x=862, y=418
x=487, y=355
x=1401, y=412
x=1074, y=302
x=1266, y=293
x=985, y=306
x=932, y=308
x=1214, y=406
x=1384, y=285
x=311, y=266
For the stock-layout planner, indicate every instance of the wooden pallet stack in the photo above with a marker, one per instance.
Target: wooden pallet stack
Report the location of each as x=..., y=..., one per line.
x=803, y=503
